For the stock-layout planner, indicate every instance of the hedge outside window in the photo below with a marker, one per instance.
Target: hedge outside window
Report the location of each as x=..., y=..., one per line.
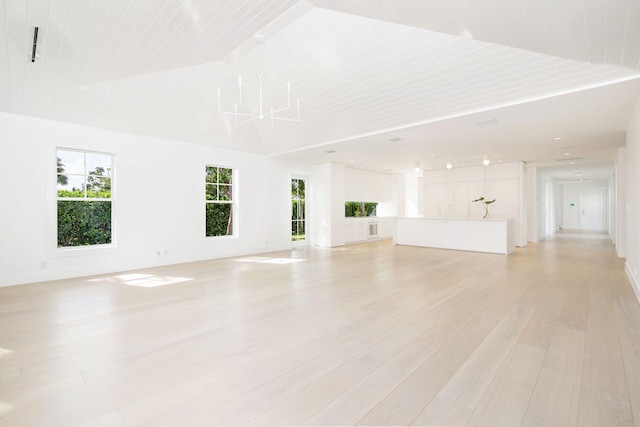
x=84, y=197
x=218, y=201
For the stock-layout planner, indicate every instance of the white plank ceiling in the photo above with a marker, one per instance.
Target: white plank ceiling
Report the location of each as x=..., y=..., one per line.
x=364, y=71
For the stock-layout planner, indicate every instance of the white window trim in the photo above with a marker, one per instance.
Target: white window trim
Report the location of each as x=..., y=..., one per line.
x=53, y=250
x=234, y=204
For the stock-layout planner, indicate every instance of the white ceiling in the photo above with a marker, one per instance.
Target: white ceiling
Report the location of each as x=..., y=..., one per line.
x=365, y=71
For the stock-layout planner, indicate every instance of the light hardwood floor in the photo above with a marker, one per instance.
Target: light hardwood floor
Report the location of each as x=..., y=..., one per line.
x=364, y=334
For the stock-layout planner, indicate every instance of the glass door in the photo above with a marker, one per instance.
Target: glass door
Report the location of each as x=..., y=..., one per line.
x=298, y=211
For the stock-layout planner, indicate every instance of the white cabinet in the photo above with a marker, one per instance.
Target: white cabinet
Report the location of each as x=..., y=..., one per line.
x=362, y=229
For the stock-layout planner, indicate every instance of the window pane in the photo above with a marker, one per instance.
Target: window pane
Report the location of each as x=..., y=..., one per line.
x=225, y=175
x=219, y=219
x=70, y=162
x=72, y=187
x=212, y=174
x=294, y=188
x=82, y=223
x=302, y=210
x=212, y=192
x=99, y=162
x=99, y=187
x=224, y=192
x=301, y=188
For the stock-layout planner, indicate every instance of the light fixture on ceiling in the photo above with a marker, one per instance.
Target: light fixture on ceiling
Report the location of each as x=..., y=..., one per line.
x=486, y=162
x=263, y=112
x=34, y=53
x=417, y=167
x=449, y=165
x=557, y=138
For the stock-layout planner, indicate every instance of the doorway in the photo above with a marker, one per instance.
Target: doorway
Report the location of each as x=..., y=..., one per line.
x=592, y=208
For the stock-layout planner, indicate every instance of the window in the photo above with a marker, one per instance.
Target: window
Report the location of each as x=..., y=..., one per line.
x=298, y=222
x=84, y=205
x=360, y=209
x=218, y=201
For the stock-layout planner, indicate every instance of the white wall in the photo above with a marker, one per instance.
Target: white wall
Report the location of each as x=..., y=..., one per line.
x=328, y=204
x=542, y=211
x=397, y=205
x=632, y=266
x=413, y=193
x=158, y=202
x=449, y=193
x=621, y=203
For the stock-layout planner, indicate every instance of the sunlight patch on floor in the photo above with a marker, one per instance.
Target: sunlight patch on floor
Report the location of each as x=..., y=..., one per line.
x=5, y=408
x=269, y=260
x=142, y=280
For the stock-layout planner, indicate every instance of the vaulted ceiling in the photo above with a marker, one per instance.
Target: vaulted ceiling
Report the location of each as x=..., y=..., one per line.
x=455, y=80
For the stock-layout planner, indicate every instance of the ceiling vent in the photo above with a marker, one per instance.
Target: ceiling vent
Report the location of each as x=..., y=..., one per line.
x=395, y=139
x=567, y=159
x=488, y=122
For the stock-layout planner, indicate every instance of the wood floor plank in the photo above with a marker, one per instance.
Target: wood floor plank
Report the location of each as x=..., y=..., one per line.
x=505, y=401
x=628, y=319
x=604, y=396
x=556, y=396
x=455, y=403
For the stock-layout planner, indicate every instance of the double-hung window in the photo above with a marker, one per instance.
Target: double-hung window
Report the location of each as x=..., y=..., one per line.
x=84, y=197
x=219, y=201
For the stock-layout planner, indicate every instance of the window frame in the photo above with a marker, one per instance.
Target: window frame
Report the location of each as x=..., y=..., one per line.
x=233, y=202
x=75, y=250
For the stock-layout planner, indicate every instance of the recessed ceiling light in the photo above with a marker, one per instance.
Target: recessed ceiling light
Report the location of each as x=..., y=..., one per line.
x=572, y=163
x=487, y=122
x=567, y=154
x=449, y=165
x=557, y=138
x=433, y=155
x=486, y=162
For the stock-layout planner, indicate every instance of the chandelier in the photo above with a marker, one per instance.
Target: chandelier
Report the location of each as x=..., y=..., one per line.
x=270, y=113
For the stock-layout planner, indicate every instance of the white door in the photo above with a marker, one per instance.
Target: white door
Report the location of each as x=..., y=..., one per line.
x=592, y=208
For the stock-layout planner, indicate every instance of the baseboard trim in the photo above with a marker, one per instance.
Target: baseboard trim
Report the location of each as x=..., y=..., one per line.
x=635, y=284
